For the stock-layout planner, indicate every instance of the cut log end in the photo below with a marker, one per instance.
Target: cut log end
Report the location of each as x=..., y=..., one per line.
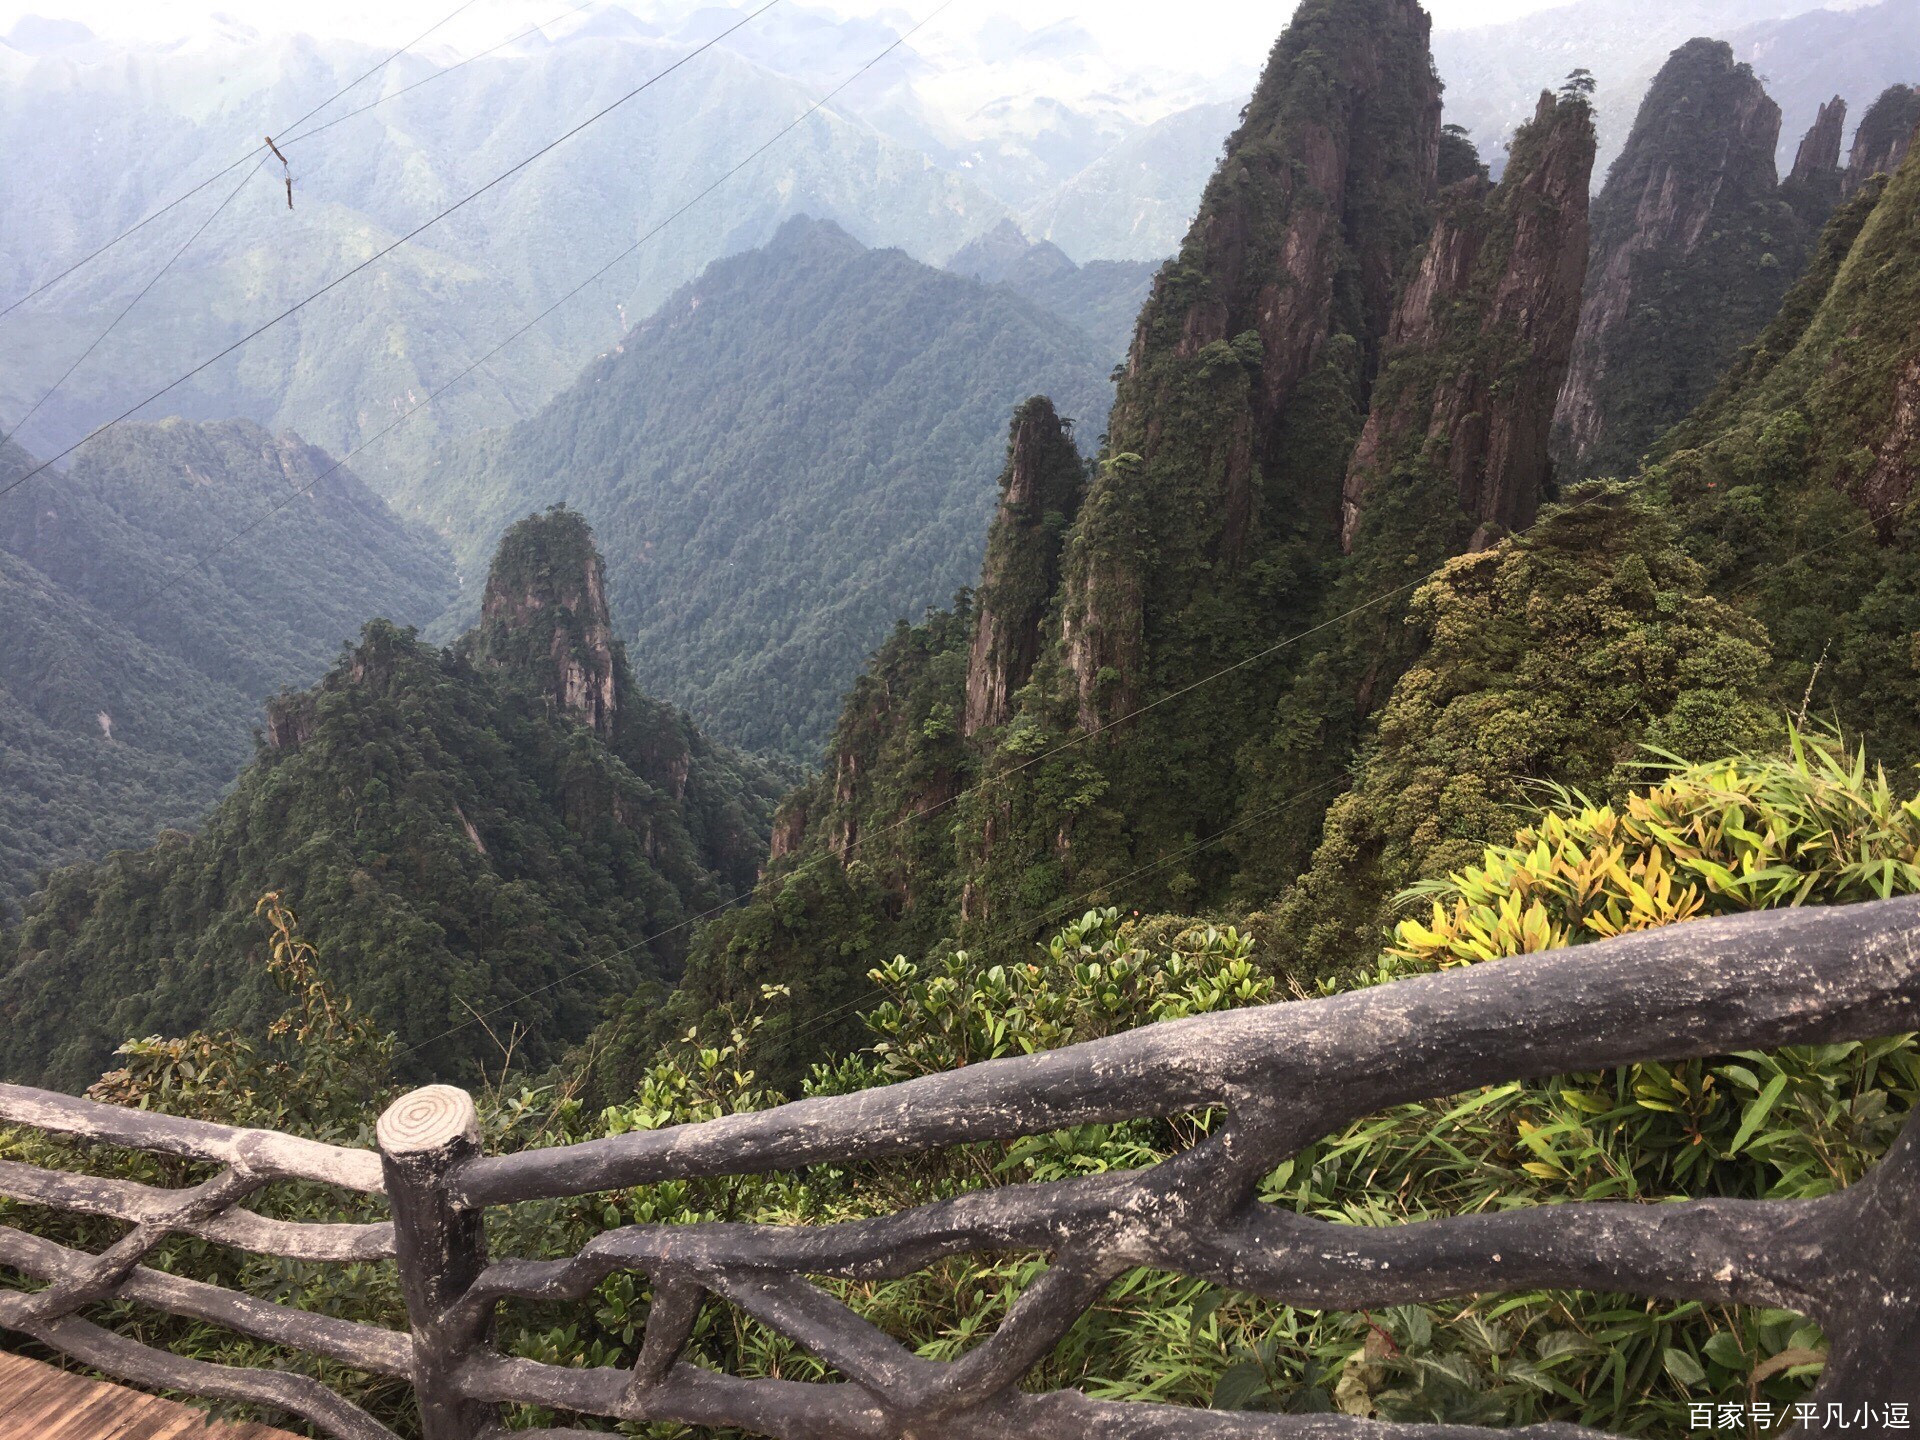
x=430, y=1118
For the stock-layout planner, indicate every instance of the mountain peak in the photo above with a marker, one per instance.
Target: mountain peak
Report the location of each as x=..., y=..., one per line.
x=1695, y=192
x=804, y=231
x=545, y=619
x=1005, y=256
x=1819, y=154
x=1885, y=133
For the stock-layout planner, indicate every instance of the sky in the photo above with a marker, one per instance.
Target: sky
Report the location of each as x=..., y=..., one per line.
x=1137, y=28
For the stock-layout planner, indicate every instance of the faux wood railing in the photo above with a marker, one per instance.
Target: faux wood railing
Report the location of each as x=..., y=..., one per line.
x=1283, y=1075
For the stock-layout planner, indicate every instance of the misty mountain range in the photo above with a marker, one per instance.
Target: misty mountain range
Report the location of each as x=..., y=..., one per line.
x=1108, y=169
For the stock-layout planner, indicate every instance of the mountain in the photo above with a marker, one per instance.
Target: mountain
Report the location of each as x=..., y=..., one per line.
x=1034, y=749
x=791, y=453
x=1695, y=242
x=928, y=149
x=1793, y=484
x=507, y=828
x=1803, y=53
x=1483, y=329
x=159, y=118
x=1101, y=297
x=1766, y=564
x=1135, y=201
x=1856, y=51
x=153, y=596
x=1884, y=136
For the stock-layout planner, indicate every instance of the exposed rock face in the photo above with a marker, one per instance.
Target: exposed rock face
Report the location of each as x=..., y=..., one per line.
x=1692, y=249
x=545, y=616
x=290, y=721
x=1884, y=137
x=1039, y=493
x=1819, y=152
x=789, y=828
x=1328, y=176
x=1482, y=334
x=1888, y=485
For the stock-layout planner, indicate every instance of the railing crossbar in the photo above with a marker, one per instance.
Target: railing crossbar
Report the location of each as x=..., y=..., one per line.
x=241, y=1228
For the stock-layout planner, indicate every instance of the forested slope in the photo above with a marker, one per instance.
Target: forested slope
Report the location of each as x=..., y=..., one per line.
x=794, y=451
x=1101, y=297
x=507, y=829
x=152, y=596
x=1038, y=748
x=1044, y=743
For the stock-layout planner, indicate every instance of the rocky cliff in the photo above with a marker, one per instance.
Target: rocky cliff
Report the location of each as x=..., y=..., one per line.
x=1287, y=274
x=1146, y=684
x=546, y=631
x=1481, y=336
x=1693, y=247
x=1885, y=135
x=1819, y=152
x=1039, y=494
x=544, y=619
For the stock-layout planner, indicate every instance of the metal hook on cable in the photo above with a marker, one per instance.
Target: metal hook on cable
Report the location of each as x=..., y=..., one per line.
x=286, y=170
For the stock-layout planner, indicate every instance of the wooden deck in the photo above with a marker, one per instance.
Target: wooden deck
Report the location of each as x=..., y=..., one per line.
x=39, y=1402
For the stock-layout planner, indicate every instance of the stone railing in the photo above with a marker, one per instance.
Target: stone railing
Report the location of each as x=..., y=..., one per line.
x=1282, y=1075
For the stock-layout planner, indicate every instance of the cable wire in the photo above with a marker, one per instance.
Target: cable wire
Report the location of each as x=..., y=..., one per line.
x=234, y=165
x=434, y=395
x=112, y=325
x=387, y=250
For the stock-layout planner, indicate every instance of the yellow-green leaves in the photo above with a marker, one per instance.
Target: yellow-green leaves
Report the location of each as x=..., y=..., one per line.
x=1748, y=833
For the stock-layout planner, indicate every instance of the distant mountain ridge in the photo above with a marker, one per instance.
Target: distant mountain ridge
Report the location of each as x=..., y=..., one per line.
x=1804, y=55
x=152, y=597
x=159, y=118
x=1102, y=297
x=792, y=453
